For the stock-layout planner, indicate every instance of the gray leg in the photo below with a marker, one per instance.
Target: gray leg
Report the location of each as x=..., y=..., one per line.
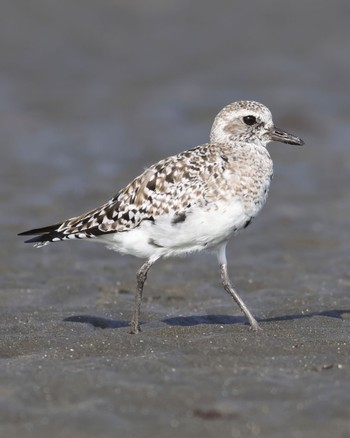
x=141, y=278
x=230, y=290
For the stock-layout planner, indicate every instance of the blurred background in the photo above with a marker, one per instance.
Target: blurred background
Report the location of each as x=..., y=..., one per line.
x=92, y=92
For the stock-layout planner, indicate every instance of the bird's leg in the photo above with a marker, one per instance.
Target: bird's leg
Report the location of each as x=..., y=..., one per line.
x=141, y=278
x=230, y=290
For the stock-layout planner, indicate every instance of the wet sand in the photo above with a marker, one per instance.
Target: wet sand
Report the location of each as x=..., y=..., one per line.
x=90, y=94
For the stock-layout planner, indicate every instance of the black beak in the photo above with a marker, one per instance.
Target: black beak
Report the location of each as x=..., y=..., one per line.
x=284, y=137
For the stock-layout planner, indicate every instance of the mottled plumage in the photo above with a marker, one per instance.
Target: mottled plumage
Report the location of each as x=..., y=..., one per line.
x=188, y=202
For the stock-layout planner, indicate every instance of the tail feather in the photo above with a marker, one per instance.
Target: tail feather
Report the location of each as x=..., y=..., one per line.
x=43, y=230
x=49, y=234
x=44, y=234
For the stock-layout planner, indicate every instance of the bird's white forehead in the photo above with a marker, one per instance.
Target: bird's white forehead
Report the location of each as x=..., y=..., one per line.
x=245, y=107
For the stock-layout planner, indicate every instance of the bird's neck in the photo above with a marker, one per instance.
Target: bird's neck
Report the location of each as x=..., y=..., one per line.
x=219, y=136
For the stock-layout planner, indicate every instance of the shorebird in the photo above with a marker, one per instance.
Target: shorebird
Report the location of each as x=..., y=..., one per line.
x=196, y=200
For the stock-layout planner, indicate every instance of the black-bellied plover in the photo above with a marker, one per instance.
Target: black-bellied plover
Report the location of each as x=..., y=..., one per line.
x=196, y=200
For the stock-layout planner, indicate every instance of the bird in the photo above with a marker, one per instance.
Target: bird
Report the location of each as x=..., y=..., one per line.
x=193, y=201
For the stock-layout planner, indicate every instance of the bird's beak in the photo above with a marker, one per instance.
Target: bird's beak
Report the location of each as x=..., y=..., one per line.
x=284, y=137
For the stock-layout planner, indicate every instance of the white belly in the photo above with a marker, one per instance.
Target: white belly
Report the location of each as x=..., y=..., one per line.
x=202, y=228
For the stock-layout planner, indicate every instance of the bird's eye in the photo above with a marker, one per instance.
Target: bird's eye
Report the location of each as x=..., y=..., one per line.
x=249, y=120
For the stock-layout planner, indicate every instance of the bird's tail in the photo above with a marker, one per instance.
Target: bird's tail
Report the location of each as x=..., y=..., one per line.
x=87, y=226
x=44, y=235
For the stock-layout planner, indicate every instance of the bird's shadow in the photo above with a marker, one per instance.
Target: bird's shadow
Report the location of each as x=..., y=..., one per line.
x=228, y=319
x=98, y=321
x=187, y=321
